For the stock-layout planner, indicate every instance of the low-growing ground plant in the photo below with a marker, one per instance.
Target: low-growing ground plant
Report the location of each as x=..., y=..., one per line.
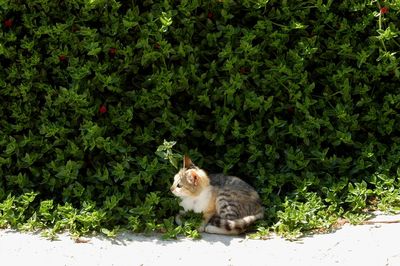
x=299, y=98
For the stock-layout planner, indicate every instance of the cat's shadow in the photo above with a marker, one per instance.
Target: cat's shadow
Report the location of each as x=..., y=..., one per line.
x=125, y=238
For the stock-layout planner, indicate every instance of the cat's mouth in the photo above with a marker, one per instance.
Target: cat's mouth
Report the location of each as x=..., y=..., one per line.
x=174, y=191
x=177, y=192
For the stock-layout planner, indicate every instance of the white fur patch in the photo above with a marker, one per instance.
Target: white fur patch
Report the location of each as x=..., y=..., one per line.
x=249, y=219
x=199, y=203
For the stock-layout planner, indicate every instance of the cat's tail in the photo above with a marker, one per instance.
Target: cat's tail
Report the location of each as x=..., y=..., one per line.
x=226, y=226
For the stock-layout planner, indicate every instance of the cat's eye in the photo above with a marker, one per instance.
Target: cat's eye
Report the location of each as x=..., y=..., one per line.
x=178, y=186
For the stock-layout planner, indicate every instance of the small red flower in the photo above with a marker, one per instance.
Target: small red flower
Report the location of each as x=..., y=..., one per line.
x=62, y=58
x=75, y=28
x=157, y=46
x=210, y=15
x=103, y=109
x=384, y=10
x=8, y=23
x=112, y=52
x=244, y=70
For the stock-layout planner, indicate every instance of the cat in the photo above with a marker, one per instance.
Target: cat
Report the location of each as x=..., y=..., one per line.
x=228, y=204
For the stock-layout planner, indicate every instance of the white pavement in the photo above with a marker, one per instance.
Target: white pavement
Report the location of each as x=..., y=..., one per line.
x=375, y=245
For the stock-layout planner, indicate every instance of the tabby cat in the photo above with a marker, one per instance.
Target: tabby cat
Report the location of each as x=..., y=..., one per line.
x=229, y=205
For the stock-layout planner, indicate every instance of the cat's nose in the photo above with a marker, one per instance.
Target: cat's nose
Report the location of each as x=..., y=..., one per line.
x=172, y=189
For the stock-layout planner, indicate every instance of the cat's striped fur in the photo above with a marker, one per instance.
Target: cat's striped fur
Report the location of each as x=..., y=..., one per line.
x=229, y=205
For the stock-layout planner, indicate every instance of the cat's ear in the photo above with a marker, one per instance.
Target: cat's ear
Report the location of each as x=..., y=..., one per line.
x=187, y=162
x=194, y=178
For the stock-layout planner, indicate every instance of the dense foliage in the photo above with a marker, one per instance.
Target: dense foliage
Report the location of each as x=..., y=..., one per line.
x=300, y=98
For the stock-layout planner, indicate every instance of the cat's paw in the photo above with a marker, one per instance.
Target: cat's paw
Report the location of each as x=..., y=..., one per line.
x=201, y=228
x=178, y=219
x=212, y=229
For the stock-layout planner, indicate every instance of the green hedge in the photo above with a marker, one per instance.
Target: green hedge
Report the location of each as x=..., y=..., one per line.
x=300, y=98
